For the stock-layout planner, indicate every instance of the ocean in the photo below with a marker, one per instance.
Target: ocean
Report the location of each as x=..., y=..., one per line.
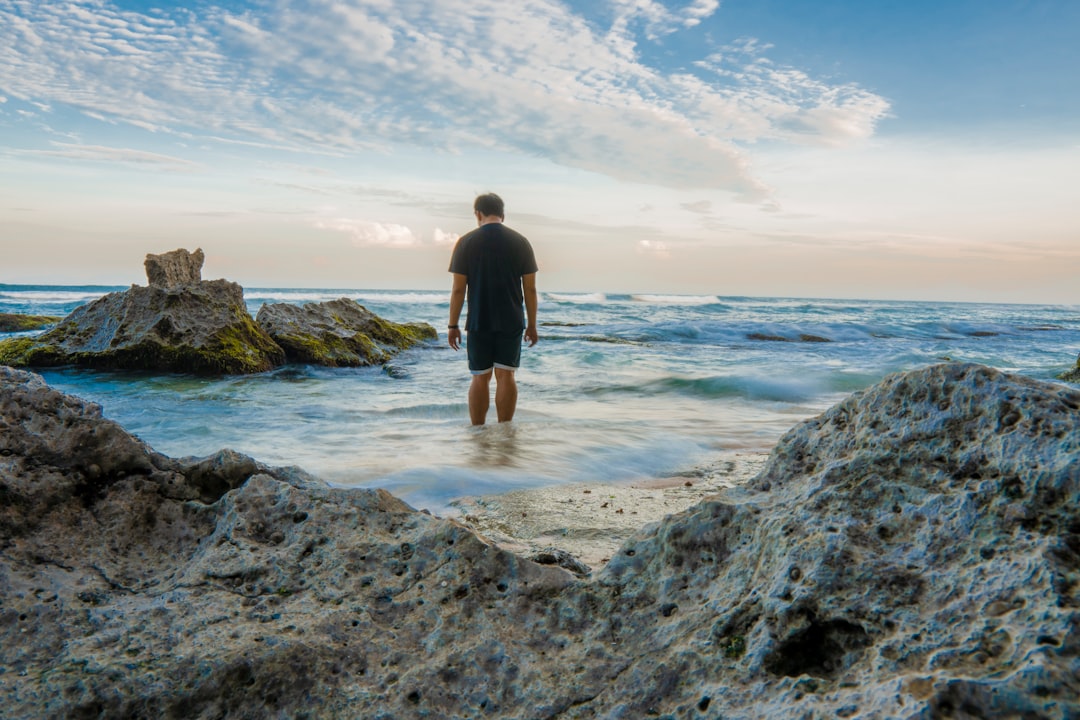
x=620, y=388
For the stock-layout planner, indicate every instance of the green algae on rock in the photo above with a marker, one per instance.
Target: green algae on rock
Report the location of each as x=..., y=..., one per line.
x=16, y=322
x=338, y=333
x=1073, y=375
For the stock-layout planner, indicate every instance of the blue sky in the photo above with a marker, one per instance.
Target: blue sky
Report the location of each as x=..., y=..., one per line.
x=923, y=150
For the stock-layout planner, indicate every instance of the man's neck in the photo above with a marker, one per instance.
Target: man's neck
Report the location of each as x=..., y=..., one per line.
x=487, y=219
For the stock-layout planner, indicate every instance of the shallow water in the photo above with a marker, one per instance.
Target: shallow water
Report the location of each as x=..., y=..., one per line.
x=620, y=388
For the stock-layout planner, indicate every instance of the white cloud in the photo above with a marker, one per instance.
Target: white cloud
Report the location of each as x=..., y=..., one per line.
x=441, y=237
x=653, y=247
x=698, y=11
x=657, y=19
x=365, y=233
x=343, y=76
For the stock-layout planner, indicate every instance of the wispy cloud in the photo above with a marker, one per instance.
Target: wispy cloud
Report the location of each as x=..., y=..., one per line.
x=98, y=153
x=348, y=75
x=766, y=101
x=701, y=207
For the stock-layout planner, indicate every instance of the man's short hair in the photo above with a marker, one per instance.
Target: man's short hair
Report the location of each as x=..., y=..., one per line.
x=489, y=204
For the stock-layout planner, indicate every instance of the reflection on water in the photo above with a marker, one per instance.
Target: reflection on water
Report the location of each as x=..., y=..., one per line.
x=494, y=446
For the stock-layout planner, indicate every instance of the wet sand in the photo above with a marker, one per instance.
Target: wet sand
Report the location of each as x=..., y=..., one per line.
x=591, y=521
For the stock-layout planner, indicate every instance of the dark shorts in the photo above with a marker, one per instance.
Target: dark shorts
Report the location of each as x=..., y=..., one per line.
x=489, y=350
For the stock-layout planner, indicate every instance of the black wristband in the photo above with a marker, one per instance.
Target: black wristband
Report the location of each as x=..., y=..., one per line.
x=452, y=327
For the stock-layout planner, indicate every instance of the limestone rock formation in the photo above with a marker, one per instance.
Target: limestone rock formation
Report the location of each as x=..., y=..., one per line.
x=174, y=269
x=15, y=322
x=200, y=328
x=338, y=333
x=914, y=552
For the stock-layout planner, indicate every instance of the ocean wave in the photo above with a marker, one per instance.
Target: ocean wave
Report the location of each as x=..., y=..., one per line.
x=414, y=298
x=677, y=299
x=361, y=296
x=576, y=299
x=293, y=296
x=52, y=296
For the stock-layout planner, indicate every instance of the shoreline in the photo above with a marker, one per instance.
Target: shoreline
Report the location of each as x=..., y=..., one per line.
x=591, y=521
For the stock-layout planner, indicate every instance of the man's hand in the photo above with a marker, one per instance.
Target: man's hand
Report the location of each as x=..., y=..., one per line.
x=454, y=336
x=531, y=335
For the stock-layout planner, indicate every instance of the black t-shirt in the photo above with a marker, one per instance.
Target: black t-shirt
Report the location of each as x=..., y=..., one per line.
x=493, y=258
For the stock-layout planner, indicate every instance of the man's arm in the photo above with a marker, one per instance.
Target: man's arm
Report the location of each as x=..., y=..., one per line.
x=528, y=288
x=457, y=301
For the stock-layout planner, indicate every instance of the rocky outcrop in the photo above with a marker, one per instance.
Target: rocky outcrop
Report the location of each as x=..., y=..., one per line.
x=914, y=552
x=338, y=333
x=174, y=269
x=181, y=323
x=199, y=328
x=15, y=322
x=1074, y=374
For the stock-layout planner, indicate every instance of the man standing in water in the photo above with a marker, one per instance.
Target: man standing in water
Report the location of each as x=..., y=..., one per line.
x=494, y=268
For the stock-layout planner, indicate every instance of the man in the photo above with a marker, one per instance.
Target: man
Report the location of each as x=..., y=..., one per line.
x=494, y=268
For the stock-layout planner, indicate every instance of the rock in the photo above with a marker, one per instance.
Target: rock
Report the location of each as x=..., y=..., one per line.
x=174, y=269
x=338, y=333
x=1074, y=374
x=803, y=337
x=912, y=552
x=199, y=328
x=16, y=322
x=763, y=337
x=555, y=556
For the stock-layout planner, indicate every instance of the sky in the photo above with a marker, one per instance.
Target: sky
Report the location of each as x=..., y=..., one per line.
x=880, y=149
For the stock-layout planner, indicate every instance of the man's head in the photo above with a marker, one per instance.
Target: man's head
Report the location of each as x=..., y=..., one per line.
x=489, y=205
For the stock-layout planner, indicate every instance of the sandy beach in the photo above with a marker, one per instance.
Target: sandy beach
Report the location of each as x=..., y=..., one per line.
x=591, y=521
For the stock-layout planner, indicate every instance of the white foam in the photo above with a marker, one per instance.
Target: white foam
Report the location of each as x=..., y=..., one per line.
x=580, y=299
x=677, y=299
x=294, y=296
x=407, y=297
x=300, y=296
x=53, y=296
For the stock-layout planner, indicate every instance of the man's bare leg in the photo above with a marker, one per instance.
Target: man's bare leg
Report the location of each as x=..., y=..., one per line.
x=479, y=398
x=505, y=394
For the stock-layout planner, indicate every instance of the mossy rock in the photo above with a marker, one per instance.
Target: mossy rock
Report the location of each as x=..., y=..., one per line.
x=203, y=328
x=16, y=322
x=339, y=333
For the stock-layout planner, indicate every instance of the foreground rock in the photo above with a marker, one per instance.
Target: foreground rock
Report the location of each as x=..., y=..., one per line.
x=15, y=322
x=338, y=333
x=913, y=552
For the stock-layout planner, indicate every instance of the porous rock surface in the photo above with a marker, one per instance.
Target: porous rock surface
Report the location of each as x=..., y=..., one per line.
x=338, y=333
x=202, y=327
x=914, y=552
x=173, y=269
